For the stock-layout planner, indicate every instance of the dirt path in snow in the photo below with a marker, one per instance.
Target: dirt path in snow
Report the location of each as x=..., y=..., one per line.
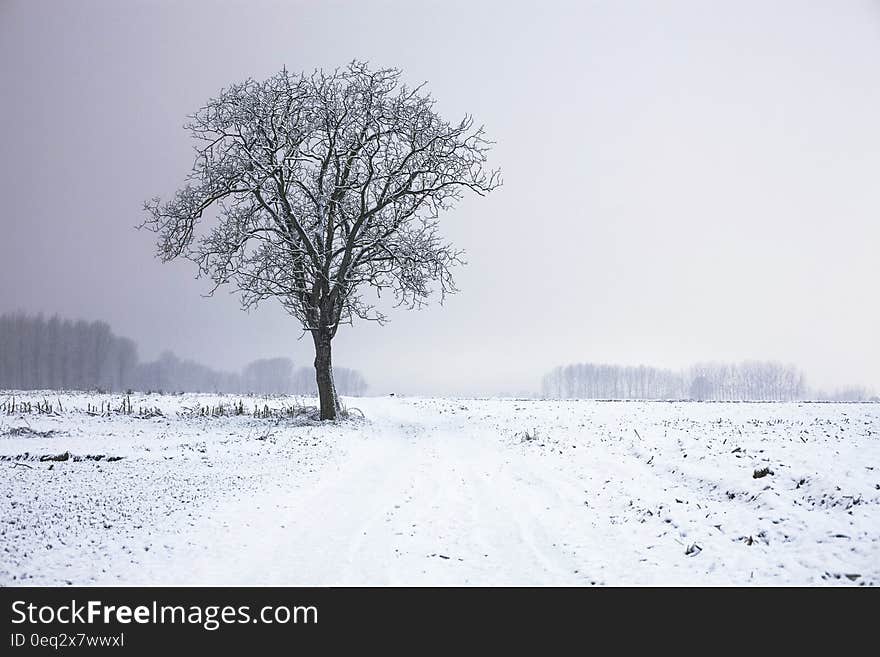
x=412, y=502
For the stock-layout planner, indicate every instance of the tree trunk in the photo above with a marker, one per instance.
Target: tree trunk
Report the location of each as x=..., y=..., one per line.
x=329, y=401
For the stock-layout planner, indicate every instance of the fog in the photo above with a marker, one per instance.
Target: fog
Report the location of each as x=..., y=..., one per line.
x=684, y=182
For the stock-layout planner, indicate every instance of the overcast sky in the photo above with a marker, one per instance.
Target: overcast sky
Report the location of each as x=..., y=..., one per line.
x=683, y=181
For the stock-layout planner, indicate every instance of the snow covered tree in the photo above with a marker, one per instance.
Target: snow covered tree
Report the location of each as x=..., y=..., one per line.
x=320, y=186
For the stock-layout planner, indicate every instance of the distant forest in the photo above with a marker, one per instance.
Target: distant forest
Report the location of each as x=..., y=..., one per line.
x=750, y=380
x=62, y=354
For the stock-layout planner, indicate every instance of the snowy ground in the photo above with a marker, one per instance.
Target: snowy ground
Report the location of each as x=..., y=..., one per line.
x=438, y=491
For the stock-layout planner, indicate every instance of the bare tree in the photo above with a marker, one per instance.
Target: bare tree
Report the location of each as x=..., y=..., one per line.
x=701, y=388
x=322, y=185
x=750, y=380
x=266, y=376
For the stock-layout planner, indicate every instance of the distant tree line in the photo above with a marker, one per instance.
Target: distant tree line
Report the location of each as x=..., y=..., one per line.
x=750, y=380
x=62, y=354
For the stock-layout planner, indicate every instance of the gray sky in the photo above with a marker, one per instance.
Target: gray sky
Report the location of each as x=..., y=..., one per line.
x=684, y=181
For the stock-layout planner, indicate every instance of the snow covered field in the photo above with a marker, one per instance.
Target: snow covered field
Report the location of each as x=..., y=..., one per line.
x=439, y=491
